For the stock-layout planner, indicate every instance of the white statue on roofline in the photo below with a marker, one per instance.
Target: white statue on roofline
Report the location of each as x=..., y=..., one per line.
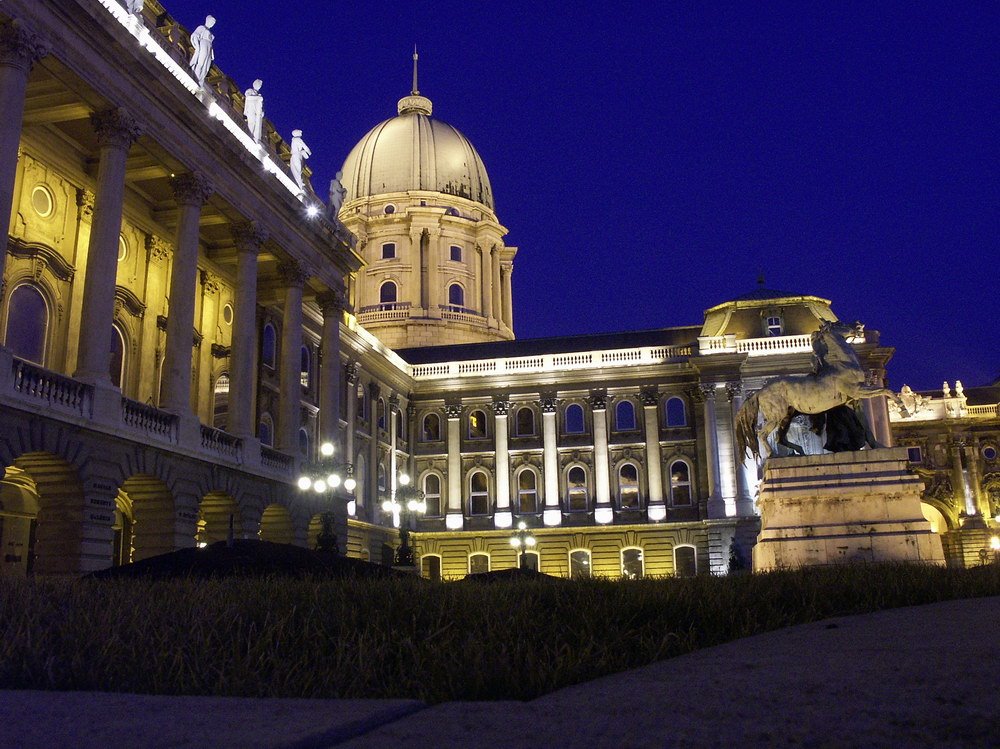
x=253, y=110
x=300, y=152
x=201, y=58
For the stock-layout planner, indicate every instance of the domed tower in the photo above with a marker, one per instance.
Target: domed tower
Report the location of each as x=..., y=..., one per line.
x=419, y=200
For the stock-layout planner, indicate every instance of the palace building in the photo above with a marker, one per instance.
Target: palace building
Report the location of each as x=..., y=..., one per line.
x=183, y=327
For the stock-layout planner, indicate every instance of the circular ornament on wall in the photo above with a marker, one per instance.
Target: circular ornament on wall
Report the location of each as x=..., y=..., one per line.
x=42, y=201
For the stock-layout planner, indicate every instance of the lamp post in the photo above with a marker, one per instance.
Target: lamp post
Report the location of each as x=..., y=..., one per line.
x=324, y=477
x=522, y=540
x=406, y=502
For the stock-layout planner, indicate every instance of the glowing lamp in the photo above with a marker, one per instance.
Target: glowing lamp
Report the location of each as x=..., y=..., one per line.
x=350, y=484
x=305, y=483
x=404, y=479
x=352, y=508
x=995, y=543
x=320, y=486
x=312, y=211
x=326, y=449
x=333, y=481
x=529, y=541
x=515, y=542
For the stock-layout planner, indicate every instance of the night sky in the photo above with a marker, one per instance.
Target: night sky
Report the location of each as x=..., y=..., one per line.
x=652, y=159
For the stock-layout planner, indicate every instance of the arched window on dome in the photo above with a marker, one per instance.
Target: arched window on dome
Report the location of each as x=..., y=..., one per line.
x=387, y=294
x=456, y=297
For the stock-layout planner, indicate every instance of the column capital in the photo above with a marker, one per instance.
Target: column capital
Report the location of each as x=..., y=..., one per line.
x=353, y=369
x=292, y=273
x=453, y=410
x=649, y=396
x=191, y=189
x=374, y=390
x=393, y=403
x=157, y=248
x=733, y=389
x=115, y=127
x=210, y=282
x=249, y=236
x=702, y=392
x=332, y=302
x=501, y=406
x=20, y=47
x=548, y=404
x=85, y=202
x=598, y=400
x=411, y=408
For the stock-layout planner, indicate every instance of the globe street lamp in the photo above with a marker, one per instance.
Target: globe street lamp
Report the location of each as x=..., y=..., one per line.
x=406, y=502
x=324, y=477
x=522, y=540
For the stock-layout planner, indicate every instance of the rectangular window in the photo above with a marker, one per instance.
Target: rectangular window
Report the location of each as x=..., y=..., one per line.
x=388, y=250
x=775, y=326
x=914, y=455
x=456, y=253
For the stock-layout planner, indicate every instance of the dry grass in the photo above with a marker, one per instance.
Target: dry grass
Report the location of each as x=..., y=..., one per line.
x=406, y=638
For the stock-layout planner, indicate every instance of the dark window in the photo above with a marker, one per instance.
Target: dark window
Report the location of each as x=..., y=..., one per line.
x=362, y=410
x=527, y=492
x=479, y=563
x=477, y=425
x=576, y=481
x=624, y=416
x=574, y=419
x=117, y=371
x=432, y=428
x=685, y=561
x=221, y=405
x=479, y=494
x=524, y=422
x=456, y=253
x=430, y=568
x=380, y=413
x=529, y=560
x=27, y=324
x=579, y=564
x=915, y=454
x=388, y=250
x=387, y=293
x=268, y=347
x=775, y=326
x=456, y=295
x=680, y=483
x=632, y=564
x=305, y=366
x=432, y=493
x=264, y=431
x=676, y=413
x=628, y=486
x=304, y=443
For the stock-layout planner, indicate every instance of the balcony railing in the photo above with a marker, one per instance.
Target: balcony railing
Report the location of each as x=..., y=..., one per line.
x=55, y=390
x=461, y=314
x=275, y=460
x=149, y=420
x=770, y=346
x=218, y=441
x=383, y=312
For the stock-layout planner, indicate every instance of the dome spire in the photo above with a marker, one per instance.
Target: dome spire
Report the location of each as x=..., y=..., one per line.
x=414, y=103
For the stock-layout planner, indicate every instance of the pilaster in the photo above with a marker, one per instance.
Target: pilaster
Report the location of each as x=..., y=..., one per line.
x=552, y=515
x=501, y=407
x=241, y=419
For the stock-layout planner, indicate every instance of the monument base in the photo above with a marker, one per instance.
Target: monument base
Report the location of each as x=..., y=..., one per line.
x=842, y=507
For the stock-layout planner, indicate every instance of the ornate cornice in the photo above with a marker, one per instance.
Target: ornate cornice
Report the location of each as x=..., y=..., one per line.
x=191, y=189
x=20, y=47
x=157, y=248
x=126, y=300
x=115, y=127
x=221, y=352
x=43, y=257
x=292, y=273
x=332, y=302
x=248, y=236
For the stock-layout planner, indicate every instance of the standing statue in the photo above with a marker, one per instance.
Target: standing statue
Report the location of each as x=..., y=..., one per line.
x=337, y=195
x=300, y=152
x=134, y=6
x=253, y=110
x=201, y=58
x=839, y=380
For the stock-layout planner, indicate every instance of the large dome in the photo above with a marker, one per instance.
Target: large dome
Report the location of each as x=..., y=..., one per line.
x=413, y=151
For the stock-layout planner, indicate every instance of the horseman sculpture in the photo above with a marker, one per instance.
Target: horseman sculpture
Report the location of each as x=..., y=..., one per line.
x=827, y=395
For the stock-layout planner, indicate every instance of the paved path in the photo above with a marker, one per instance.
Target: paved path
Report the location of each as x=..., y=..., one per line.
x=924, y=676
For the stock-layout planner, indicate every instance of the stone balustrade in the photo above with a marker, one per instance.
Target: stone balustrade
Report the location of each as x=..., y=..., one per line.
x=149, y=421
x=38, y=385
x=769, y=346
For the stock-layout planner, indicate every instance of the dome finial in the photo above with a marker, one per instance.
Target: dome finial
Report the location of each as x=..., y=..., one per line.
x=415, y=91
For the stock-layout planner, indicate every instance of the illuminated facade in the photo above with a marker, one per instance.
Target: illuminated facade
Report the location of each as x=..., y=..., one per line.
x=181, y=331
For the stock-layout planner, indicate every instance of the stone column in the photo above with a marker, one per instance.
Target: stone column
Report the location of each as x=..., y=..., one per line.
x=963, y=497
x=716, y=504
x=485, y=276
x=293, y=278
x=433, y=254
x=416, y=295
x=332, y=305
x=508, y=305
x=352, y=411
x=496, y=290
x=603, y=512
x=20, y=48
x=391, y=408
x=656, y=504
x=190, y=191
x=454, y=519
x=975, y=478
x=744, y=498
x=552, y=515
x=372, y=490
x=241, y=419
x=503, y=518
x=116, y=132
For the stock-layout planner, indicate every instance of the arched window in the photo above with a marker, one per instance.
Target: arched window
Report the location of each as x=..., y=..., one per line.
x=265, y=430
x=432, y=428
x=304, y=443
x=632, y=564
x=676, y=413
x=305, y=366
x=430, y=567
x=628, y=486
x=527, y=492
x=268, y=353
x=27, y=324
x=456, y=295
x=685, y=561
x=117, y=370
x=362, y=409
x=381, y=478
x=400, y=425
x=432, y=493
x=576, y=489
x=380, y=413
x=479, y=563
x=574, y=423
x=579, y=564
x=477, y=425
x=624, y=416
x=524, y=422
x=479, y=493
x=387, y=293
x=220, y=408
x=680, y=483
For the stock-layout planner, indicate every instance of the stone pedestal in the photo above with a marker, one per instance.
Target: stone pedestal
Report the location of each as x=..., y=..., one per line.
x=842, y=507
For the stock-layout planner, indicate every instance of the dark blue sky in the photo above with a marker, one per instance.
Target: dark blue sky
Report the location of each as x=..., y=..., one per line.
x=651, y=159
